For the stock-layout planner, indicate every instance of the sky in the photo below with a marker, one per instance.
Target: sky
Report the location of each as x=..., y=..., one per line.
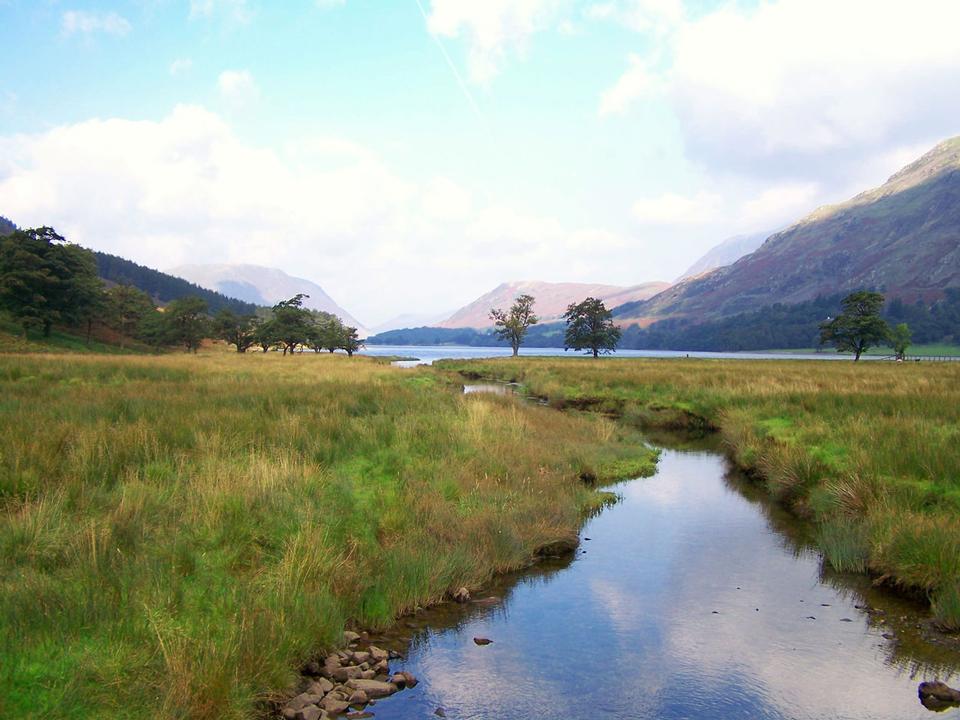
x=410, y=155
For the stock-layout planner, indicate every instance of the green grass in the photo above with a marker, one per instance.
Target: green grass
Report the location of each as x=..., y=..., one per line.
x=178, y=533
x=932, y=349
x=870, y=452
x=12, y=340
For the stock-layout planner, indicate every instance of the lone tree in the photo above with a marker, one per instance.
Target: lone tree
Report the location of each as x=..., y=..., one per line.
x=187, y=321
x=590, y=326
x=349, y=340
x=859, y=326
x=512, y=325
x=900, y=338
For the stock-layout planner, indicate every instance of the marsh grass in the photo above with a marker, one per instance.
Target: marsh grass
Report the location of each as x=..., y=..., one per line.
x=178, y=533
x=869, y=451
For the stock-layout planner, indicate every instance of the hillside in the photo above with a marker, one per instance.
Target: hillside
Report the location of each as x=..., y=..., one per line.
x=552, y=299
x=902, y=238
x=725, y=253
x=6, y=226
x=263, y=286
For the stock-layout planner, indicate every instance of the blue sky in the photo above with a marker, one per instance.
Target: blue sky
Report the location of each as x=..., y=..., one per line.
x=409, y=156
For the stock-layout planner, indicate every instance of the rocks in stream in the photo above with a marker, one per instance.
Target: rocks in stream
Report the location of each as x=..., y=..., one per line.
x=347, y=679
x=462, y=595
x=936, y=695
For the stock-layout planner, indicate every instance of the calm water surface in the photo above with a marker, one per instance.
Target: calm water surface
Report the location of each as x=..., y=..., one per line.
x=694, y=598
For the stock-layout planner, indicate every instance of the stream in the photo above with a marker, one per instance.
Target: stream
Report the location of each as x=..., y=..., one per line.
x=693, y=597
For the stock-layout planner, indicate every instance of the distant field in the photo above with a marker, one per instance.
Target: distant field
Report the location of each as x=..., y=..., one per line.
x=868, y=451
x=914, y=350
x=177, y=533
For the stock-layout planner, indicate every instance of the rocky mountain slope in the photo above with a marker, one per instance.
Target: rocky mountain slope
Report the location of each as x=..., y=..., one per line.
x=552, y=300
x=263, y=286
x=725, y=253
x=902, y=238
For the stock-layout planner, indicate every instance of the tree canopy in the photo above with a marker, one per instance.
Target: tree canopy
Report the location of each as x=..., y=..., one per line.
x=512, y=325
x=590, y=326
x=859, y=326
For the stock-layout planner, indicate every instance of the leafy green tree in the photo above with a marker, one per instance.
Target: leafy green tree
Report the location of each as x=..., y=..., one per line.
x=590, y=326
x=45, y=280
x=511, y=325
x=859, y=326
x=155, y=330
x=349, y=340
x=263, y=334
x=187, y=321
x=326, y=333
x=900, y=338
x=292, y=324
x=126, y=306
x=237, y=330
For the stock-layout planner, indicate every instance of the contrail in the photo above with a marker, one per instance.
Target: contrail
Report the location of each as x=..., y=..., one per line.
x=452, y=66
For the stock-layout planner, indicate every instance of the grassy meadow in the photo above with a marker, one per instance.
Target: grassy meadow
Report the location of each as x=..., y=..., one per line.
x=868, y=451
x=178, y=533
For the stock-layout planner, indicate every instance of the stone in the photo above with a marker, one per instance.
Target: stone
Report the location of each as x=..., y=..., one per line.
x=938, y=691
x=559, y=548
x=373, y=688
x=461, y=595
x=378, y=655
x=334, y=706
x=382, y=667
x=311, y=669
x=358, y=698
x=359, y=715
x=368, y=674
x=288, y=713
x=302, y=700
x=310, y=712
x=404, y=679
x=482, y=641
x=440, y=712
x=350, y=637
x=346, y=673
x=320, y=687
x=360, y=657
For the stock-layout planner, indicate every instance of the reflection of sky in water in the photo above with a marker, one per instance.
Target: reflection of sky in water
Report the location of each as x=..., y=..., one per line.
x=629, y=630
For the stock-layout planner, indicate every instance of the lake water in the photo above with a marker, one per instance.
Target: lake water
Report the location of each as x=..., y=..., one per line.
x=692, y=598
x=427, y=354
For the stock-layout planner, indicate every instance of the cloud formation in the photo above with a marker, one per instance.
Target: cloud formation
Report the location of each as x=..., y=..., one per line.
x=79, y=22
x=238, y=86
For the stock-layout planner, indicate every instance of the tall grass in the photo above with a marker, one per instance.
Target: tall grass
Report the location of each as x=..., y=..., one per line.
x=869, y=451
x=178, y=533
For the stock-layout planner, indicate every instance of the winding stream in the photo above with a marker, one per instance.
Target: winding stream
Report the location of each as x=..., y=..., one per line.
x=692, y=598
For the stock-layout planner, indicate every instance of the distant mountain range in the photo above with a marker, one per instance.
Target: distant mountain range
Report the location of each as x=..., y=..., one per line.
x=263, y=286
x=902, y=238
x=552, y=300
x=410, y=320
x=725, y=253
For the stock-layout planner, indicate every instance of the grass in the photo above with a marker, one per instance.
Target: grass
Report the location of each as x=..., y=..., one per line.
x=870, y=452
x=178, y=533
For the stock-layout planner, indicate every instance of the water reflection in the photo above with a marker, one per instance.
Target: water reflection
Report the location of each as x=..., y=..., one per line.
x=695, y=598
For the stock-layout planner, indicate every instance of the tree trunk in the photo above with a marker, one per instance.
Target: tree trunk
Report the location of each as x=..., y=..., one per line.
x=596, y=352
x=516, y=350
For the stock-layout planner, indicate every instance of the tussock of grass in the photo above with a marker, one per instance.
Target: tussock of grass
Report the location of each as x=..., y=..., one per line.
x=870, y=451
x=178, y=533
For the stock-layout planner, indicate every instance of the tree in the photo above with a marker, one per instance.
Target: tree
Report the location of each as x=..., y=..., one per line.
x=154, y=329
x=512, y=325
x=292, y=324
x=237, y=330
x=349, y=340
x=900, y=338
x=327, y=332
x=859, y=326
x=187, y=320
x=590, y=326
x=126, y=307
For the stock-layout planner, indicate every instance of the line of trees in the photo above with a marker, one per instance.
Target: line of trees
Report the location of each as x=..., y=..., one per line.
x=46, y=281
x=589, y=325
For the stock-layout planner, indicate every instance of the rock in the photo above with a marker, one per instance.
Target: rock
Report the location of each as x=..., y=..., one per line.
x=888, y=636
x=382, y=667
x=559, y=548
x=404, y=680
x=311, y=669
x=358, y=698
x=378, y=655
x=440, y=712
x=394, y=655
x=941, y=692
x=482, y=641
x=461, y=595
x=373, y=688
x=302, y=700
x=358, y=715
x=368, y=674
x=350, y=637
x=335, y=706
x=288, y=713
x=360, y=657
x=320, y=687
x=346, y=673
x=845, y=620
x=310, y=712
x=382, y=678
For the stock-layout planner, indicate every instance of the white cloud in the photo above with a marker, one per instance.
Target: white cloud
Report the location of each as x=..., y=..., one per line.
x=493, y=28
x=75, y=22
x=232, y=10
x=187, y=189
x=660, y=17
x=180, y=65
x=238, y=86
x=675, y=209
x=638, y=81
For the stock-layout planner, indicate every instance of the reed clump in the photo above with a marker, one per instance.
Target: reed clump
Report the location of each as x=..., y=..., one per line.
x=870, y=452
x=178, y=533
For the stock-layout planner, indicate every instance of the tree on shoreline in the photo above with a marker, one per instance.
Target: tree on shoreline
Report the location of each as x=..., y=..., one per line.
x=859, y=326
x=900, y=338
x=512, y=325
x=590, y=326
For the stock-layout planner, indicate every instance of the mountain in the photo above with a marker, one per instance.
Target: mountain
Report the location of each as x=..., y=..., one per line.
x=263, y=286
x=902, y=238
x=725, y=253
x=552, y=300
x=409, y=320
x=6, y=226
